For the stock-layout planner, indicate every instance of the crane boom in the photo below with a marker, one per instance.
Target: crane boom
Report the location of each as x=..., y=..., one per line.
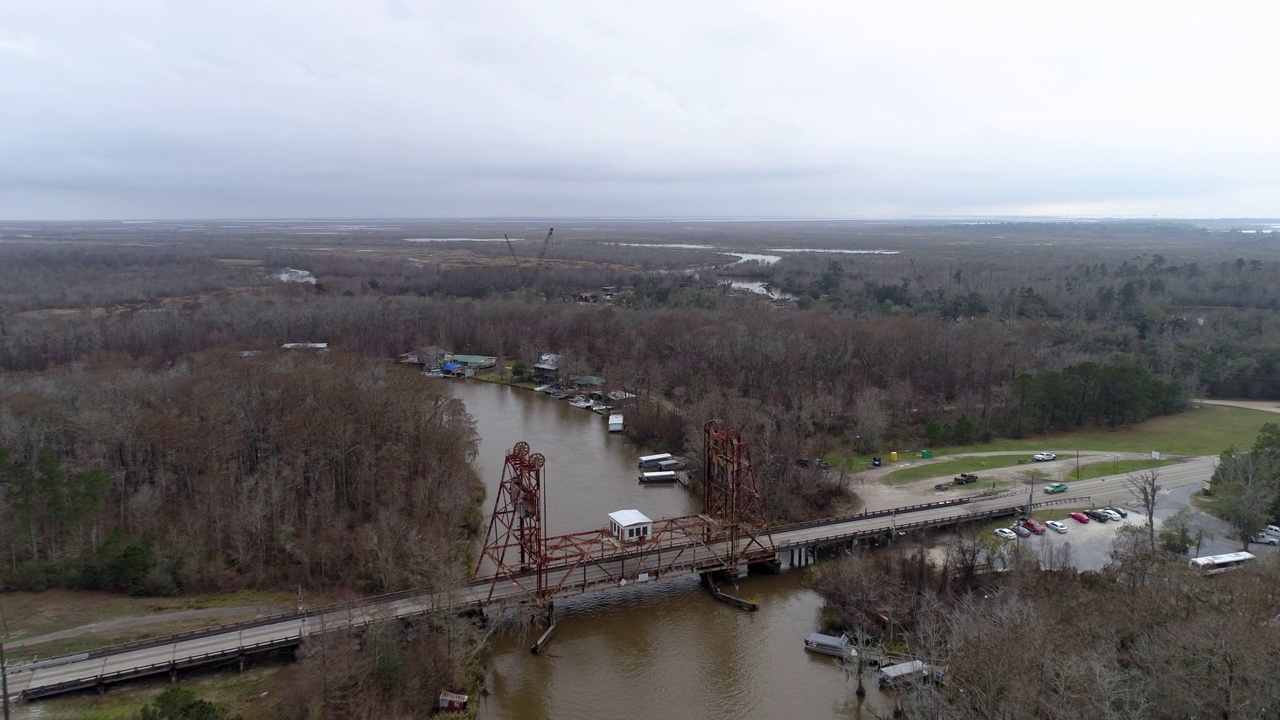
x=545, y=244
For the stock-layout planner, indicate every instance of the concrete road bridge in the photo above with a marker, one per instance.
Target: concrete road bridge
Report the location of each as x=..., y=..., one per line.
x=521, y=565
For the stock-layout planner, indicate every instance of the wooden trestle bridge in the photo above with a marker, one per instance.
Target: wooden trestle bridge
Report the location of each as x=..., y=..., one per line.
x=521, y=564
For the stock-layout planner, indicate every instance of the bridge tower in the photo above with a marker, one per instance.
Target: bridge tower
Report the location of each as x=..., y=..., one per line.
x=516, y=543
x=732, y=497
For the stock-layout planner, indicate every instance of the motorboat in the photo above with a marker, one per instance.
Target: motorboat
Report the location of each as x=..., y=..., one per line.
x=542, y=388
x=580, y=402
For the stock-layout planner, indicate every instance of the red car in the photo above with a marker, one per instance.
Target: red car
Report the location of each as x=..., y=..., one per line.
x=1033, y=526
x=1079, y=517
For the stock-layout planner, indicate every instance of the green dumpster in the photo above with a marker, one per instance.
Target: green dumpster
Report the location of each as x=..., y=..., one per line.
x=926, y=454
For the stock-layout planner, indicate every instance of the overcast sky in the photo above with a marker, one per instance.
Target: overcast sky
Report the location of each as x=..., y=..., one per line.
x=402, y=108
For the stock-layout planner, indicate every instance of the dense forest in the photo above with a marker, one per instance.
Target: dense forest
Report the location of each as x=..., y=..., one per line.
x=1146, y=637
x=226, y=470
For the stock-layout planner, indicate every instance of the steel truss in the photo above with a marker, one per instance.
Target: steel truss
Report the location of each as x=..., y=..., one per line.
x=731, y=495
x=732, y=531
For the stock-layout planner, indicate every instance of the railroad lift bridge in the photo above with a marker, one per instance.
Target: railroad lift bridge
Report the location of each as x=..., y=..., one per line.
x=527, y=565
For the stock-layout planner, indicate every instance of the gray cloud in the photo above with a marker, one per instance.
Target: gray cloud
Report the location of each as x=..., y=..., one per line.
x=407, y=108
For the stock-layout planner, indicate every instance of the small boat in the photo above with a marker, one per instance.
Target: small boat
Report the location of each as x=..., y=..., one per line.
x=615, y=422
x=557, y=394
x=542, y=388
x=661, y=476
x=828, y=645
x=600, y=408
x=580, y=402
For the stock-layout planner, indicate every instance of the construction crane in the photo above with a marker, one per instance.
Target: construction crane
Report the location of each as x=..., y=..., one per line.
x=546, y=243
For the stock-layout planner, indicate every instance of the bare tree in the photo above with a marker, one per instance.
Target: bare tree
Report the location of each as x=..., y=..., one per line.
x=1247, y=490
x=1145, y=488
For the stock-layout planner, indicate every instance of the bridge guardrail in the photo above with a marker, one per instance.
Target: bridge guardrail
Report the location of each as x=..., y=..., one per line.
x=186, y=663
x=257, y=622
x=936, y=522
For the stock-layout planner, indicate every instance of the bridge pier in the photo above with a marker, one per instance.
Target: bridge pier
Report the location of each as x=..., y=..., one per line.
x=709, y=581
x=550, y=632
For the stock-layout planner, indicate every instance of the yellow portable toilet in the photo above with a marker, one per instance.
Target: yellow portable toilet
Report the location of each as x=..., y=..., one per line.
x=893, y=456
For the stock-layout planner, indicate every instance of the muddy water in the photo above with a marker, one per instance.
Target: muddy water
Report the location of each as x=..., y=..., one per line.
x=660, y=651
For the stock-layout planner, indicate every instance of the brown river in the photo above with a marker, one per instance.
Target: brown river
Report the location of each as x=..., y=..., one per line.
x=665, y=650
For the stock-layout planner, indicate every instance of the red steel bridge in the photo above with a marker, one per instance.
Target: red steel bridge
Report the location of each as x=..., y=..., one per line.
x=728, y=535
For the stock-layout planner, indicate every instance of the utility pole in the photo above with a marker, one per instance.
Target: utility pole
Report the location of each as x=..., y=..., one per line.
x=4, y=681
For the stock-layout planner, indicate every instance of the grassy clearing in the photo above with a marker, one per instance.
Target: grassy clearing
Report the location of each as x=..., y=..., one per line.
x=951, y=467
x=30, y=614
x=1206, y=430
x=1114, y=467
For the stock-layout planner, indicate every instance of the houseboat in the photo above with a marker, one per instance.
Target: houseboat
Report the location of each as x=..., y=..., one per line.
x=827, y=645
x=672, y=463
x=615, y=422
x=661, y=476
x=653, y=460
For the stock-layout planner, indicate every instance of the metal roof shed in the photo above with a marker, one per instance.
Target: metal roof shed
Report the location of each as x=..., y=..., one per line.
x=629, y=525
x=903, y=673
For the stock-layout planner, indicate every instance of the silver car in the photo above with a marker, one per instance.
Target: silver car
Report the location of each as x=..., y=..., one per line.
x=1055, y=526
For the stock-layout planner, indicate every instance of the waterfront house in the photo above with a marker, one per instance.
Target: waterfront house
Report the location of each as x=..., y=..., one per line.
x=586, y=382
x=473, y=362
x=429, y=357
x=547, y=370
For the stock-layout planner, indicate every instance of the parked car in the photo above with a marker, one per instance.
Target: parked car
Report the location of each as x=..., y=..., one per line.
x=1263, y=538
x=1044, y=457
x=1006, y=533
x=1055, y=526
x=1080, y=517
x=1096, y=516
x=1055, y=488
x=1032, y=525
x=1111, y=514
x=1021, y=531
x=1119, y=511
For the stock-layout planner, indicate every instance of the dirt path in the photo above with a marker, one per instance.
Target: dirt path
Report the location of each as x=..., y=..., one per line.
x=219, y=615
x=1263, y=405
x=876, y=495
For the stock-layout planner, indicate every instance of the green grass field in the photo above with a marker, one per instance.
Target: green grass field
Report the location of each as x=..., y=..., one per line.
x=1206, y=430
x=1114, y=467
x=952, y=468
